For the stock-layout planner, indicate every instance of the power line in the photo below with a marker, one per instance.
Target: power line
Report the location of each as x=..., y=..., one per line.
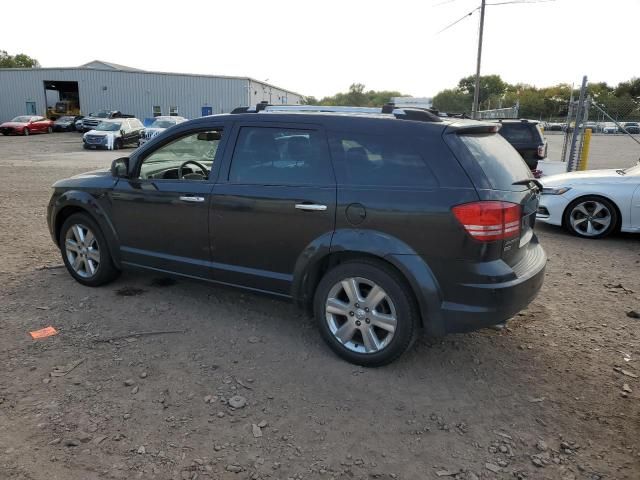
x=459, y=20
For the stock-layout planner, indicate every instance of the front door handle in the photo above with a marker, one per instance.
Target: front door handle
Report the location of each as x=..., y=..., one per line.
x=187, y=198
x=311, y=207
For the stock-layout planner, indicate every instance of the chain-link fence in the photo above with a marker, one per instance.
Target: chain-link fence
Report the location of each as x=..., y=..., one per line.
x=615, y=132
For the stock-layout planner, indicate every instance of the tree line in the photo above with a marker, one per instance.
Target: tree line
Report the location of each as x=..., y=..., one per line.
x=546, y=103
x=17, y=61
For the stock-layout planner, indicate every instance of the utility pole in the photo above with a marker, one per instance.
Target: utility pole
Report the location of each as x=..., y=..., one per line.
x=476, y=90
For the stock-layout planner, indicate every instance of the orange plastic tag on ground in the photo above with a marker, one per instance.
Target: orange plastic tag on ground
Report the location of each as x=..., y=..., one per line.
x=43, y=333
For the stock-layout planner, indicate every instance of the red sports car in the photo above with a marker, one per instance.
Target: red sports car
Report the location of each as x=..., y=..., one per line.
x=26, y=125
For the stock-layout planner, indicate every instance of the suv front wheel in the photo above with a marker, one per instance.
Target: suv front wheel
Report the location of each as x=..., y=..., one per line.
x=365, y=314
x=85, y=251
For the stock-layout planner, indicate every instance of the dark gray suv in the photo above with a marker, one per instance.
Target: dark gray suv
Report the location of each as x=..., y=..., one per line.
x=381, y=224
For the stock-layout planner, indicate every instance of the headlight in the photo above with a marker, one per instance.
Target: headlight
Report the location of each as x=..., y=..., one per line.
x=555, y=190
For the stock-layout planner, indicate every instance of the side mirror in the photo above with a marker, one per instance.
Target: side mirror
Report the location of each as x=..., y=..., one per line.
x=120, y=167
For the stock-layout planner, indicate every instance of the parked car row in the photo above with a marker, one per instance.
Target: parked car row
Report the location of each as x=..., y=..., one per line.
x=26, y=125
x=596, y=127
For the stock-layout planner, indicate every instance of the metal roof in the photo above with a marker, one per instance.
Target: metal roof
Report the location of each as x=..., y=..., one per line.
x=114, y=67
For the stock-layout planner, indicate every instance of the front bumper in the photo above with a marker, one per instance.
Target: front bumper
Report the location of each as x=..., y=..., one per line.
x=551, y=209
x=10, y=130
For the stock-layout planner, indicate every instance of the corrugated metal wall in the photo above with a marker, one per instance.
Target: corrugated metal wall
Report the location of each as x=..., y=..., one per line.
x=133, y=93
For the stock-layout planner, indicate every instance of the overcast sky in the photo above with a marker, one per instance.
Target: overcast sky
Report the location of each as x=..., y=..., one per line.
x=321, y=47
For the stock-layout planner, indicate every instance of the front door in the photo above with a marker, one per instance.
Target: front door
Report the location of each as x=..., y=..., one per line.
x=161, y=213
x=275, y=200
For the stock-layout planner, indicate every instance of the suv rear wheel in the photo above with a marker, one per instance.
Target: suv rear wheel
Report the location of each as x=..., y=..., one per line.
x=364, y=313
x=85, y=251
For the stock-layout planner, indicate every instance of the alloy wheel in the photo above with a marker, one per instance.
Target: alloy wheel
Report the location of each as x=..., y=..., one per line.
x=590, y=218
x=82, y=250
x=360, y=315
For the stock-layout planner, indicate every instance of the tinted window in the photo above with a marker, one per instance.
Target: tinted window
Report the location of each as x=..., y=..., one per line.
x=277, y=156
x=380, y=160
x=519, y=132
x=501, y=163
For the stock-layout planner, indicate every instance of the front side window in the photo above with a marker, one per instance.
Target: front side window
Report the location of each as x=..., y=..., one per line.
x=380, y=160
x=186, y=158
x=280, y=156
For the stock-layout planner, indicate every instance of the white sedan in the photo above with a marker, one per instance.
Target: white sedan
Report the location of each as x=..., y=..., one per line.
x=592, y=203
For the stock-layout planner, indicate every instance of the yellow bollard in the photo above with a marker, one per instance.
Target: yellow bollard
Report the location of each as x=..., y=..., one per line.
x=584, y=154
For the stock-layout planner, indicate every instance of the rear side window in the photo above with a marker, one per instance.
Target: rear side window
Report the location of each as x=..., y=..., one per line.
x=280, y=156
x=379, y=160
x=501, y=163
x=520, y=132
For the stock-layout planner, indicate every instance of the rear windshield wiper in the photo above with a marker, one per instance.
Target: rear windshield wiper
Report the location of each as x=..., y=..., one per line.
x=528, y=181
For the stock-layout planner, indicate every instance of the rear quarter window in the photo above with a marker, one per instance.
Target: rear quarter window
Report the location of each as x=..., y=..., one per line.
x=500, y=162
x=379, y=160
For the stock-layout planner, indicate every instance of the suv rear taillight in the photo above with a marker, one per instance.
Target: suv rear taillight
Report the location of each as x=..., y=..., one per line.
x=488, y=221
x=541, y=151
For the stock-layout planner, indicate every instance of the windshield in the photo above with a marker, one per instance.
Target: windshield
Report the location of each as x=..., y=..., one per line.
x=162, y=124
x=22, y=119
x=108, y=126
x=65, y=119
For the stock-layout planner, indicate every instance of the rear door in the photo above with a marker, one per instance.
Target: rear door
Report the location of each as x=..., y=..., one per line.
x=276, y=198
x=499, y=173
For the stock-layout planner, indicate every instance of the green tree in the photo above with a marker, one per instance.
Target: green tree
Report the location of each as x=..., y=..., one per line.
x=491, y=87
x=452, y=100
x=18, y=61
x=357, y=96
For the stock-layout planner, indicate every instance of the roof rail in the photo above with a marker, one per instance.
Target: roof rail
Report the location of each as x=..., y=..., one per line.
x=405, y=113
x=321, y=108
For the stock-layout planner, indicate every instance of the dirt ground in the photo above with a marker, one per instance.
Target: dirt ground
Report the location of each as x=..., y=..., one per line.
x=556, y=395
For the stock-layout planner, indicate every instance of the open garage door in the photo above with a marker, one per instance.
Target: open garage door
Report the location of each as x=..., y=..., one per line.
x=63, y=98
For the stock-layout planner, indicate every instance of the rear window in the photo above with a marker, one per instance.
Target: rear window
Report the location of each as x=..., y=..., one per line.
x=520, y=132
x=501, y=163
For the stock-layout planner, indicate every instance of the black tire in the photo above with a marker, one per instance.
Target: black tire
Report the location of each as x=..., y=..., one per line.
x=49, y=130
x=26, y=132
x=609, y=212
x=117, y=144
x=396, y=289
x=106, y=271
x=85, y=146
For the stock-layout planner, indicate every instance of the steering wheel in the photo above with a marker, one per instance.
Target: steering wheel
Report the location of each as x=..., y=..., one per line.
x=199, y=165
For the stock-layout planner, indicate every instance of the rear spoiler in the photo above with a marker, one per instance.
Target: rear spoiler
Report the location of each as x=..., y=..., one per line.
x=469, y=128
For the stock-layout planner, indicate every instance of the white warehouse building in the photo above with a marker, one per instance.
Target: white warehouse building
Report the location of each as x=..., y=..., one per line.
x=101, y=85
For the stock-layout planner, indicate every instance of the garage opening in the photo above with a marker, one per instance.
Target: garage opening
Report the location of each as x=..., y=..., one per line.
x=62, y=98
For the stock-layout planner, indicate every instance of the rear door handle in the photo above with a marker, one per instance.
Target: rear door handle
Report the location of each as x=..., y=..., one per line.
x=311, y=207
x=187, y=198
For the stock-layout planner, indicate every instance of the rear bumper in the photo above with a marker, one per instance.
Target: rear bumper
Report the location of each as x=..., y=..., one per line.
x=490, y=303
x=456, y=297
